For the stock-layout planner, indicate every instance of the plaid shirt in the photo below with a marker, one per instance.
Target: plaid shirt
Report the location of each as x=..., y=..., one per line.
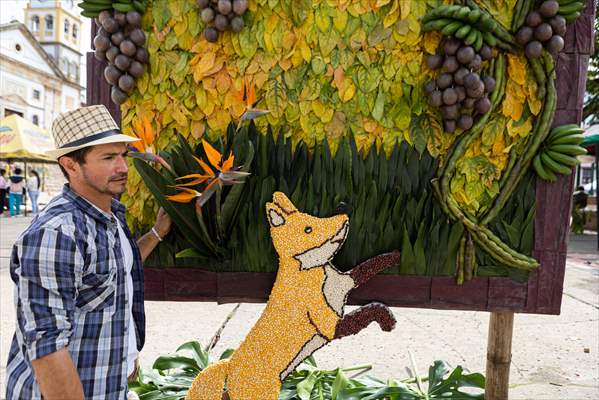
x=71, y=292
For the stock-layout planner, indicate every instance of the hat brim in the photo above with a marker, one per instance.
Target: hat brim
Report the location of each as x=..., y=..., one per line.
x=119, y=138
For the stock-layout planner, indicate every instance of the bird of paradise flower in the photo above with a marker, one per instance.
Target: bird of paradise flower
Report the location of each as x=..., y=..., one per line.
x=218, y=172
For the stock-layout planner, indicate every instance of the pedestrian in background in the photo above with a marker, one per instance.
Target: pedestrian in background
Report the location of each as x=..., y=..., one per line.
x=33, y=188
x=15, y=192
x=3, y=189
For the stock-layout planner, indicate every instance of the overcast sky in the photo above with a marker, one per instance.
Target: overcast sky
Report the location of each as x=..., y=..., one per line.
x=13, y=10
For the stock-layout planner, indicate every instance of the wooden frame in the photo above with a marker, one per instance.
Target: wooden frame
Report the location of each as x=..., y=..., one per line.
x=542, y=293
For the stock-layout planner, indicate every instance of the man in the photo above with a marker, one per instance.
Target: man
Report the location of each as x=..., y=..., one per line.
x=78, y=273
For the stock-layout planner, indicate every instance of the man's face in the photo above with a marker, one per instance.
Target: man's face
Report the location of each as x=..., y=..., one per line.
x=104, y=170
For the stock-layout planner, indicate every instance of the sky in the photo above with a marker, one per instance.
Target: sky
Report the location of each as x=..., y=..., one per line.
x=13, y=10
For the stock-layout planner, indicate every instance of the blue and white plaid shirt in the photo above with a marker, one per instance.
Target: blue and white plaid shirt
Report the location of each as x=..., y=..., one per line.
x=71, y=292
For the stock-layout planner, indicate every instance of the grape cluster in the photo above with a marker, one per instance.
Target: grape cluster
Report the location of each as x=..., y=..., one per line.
x=544, y=27
x=221, y=15
x=120, y=41
x=459, y=90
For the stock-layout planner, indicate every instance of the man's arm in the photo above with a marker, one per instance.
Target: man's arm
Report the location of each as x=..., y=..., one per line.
x=57, y=376
x=149, y=241
x=49, y=264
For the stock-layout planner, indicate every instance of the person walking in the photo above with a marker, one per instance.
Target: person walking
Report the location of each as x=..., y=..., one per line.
x=33, y=189
x=15, y=192
x=3, y=189
x=78, y=273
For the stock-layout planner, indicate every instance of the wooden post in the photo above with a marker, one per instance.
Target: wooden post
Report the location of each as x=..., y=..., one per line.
x=499, y=355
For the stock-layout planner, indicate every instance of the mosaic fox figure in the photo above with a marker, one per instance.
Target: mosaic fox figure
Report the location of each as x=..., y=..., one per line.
x=304, y=311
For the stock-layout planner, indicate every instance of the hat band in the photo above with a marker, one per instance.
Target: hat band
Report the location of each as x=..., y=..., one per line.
x=92, y=138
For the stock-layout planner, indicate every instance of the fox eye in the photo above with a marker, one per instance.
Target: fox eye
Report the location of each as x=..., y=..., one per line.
x=308, y=229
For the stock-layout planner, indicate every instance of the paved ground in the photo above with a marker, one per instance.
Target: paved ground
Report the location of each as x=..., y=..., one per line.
x=554, y=357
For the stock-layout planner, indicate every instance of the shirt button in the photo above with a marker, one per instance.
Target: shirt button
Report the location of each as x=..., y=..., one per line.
x=121, y=387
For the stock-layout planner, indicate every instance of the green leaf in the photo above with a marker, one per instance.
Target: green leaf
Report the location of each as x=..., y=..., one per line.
x=195, y=349
x=183, y=215
x=176, y=361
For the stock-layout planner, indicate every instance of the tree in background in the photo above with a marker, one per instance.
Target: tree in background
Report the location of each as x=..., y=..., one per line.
x=591, y=103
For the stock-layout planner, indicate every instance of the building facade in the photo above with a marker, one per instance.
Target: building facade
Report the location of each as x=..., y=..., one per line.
x=40, y=62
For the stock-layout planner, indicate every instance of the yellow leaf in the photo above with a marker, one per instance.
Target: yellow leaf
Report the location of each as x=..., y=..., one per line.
x=405, y=6
x=348, y=91
x=392, y=16
x=516, y=68
x=203, y=66
x=197, y=129
x=521, y=130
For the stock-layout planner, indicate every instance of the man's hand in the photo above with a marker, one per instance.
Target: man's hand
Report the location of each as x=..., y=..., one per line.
x=57, y=376
x=163, y=223
x=149, y=241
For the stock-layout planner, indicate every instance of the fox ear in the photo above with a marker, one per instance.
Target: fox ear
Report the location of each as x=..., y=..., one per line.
x=275, y=216
x=283, y=202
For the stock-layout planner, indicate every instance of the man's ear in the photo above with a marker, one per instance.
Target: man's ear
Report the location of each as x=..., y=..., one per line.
x=68, y=164
x=275, y=215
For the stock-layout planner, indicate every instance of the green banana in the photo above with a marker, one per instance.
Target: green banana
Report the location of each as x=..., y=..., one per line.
x=98, y=2
x=474, y=16
x=564, y=130
x=541, y=171
x=554, y=166
x=572, y=17
x=471, y=38
x=139, y=6
x=448, y=12
x=90, y=14
x=123, y=7
x=570, y=8
x=94, y=7
x=451, y=28
x=562, y=158
x=436, y=24
x=462, y=13
x=489, y=39
x=463, y=31
x=569, y=149
x=569, y=139
x=478, y=42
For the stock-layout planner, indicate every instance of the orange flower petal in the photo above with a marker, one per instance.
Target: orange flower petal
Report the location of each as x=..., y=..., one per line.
x=139, y=146
x=193, y=176
x=183, y=197
x=228, y=164
x=148, y=131
x=194, y=182
x=204, y=166
x=213, y=155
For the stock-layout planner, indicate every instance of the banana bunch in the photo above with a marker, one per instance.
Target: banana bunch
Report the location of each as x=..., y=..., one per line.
x=471, y=24
x=92, y=8
x=570, y=9
x=560, y=151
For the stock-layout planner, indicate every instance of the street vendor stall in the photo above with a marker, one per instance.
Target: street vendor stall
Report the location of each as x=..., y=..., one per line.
x=23, y=141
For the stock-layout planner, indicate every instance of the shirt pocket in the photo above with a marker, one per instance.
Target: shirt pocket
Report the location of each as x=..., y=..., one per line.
x=98, y=286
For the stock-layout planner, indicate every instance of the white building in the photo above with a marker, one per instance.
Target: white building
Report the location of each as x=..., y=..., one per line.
x=40, y=62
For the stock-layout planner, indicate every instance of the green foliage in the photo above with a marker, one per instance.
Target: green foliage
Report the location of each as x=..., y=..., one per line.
x=171, y=376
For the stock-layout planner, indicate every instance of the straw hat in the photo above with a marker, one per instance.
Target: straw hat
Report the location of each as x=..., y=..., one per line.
x=84, y=127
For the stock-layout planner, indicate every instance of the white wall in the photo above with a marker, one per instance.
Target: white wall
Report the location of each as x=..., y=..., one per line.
x=27, y=55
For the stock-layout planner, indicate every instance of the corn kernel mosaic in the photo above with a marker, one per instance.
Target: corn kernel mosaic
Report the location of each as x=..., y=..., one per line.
x=304, y=311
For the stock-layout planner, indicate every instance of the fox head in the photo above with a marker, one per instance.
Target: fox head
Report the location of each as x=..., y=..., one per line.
x=311, y=240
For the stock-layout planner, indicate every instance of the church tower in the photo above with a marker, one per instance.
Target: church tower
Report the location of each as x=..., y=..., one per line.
x=56, y=25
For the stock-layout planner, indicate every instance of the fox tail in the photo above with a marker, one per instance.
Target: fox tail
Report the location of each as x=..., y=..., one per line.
x=210, y=383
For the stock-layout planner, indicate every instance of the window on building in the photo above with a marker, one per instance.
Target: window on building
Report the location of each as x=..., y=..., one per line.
x=17, y=47
x=36, y=94
x=67, y=26
x=75, y=33
x=49, y=23
x=69, y=103
x=35, y=23
x=35, y=119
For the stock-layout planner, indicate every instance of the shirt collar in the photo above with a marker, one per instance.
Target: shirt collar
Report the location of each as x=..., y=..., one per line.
x=84, y=205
